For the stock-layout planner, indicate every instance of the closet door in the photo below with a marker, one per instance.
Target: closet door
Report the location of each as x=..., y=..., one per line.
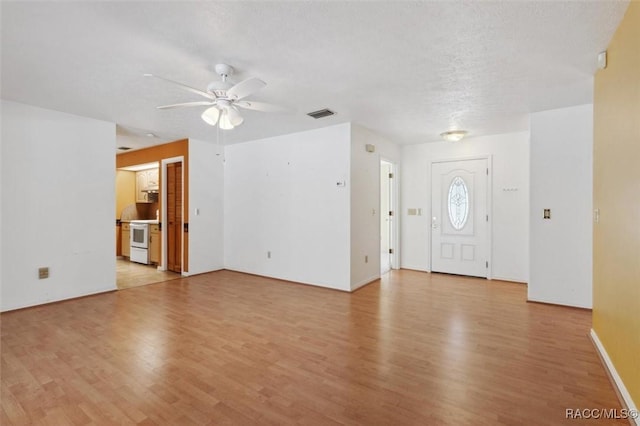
x=174, y=217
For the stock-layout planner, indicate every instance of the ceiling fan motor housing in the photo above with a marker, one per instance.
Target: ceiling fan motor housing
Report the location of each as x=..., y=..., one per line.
x=224, y=70
x=219, y=88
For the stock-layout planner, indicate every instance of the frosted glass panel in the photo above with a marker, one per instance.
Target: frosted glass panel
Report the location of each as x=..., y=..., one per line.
x=458, y=203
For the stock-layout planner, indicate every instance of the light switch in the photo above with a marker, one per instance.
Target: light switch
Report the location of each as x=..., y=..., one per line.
x=547, y=214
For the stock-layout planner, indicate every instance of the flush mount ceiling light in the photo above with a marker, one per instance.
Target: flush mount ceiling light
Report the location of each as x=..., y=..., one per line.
x=453, y=135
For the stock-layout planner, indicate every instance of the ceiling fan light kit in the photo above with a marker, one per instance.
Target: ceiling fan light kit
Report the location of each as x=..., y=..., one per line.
x=225, y=122
x=210, y=115
x=453, y=135
x=223, y=98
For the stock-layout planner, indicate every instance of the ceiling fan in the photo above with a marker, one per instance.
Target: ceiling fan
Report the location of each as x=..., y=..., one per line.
x=224, y=98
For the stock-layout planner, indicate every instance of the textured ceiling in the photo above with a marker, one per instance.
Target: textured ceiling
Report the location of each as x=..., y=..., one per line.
x=408, y=70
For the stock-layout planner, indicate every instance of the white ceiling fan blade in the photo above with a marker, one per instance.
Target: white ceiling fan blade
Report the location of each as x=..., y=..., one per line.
x=245, y=88
x=184, y=86
x=261, y=106
x=210, y=116
x=225, y=123
x=186, y=104
x=234, y=116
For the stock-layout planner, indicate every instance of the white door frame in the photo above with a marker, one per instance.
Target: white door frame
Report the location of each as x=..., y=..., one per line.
x=489, y=200
x=394, y=241
x=163, y=170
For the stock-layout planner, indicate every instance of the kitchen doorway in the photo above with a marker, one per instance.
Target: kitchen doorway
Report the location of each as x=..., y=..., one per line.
x=144, y=200
x=138, y=206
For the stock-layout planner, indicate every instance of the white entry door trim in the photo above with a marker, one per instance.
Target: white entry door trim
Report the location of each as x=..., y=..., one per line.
x=489, y=207
x=394, y=241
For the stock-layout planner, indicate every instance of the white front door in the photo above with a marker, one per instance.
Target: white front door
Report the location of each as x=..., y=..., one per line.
x=460, y=221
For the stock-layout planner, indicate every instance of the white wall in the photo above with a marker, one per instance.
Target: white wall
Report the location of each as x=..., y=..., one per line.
x=58, y=193
x=510, y=208
x=1, y=205
x=206, y=218
x=365, y=202
x=561, y=180
x=281, y=195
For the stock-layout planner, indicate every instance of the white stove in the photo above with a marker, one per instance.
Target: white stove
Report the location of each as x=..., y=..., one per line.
x=140, y=240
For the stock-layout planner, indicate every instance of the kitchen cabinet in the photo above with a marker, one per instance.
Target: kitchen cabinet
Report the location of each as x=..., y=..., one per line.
x=141, y=183
x=126, y=233
x=146, y=179
x=155, y=238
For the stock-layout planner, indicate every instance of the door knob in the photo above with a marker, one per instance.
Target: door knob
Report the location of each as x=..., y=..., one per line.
x=434, y=223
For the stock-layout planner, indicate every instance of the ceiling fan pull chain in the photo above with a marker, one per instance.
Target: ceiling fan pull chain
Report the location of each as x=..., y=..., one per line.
x=218, y=138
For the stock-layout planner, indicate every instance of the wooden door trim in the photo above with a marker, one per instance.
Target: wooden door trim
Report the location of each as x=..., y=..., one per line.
x=163, y=215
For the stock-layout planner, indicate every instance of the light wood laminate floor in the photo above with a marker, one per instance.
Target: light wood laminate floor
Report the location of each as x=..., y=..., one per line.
x=132, y=274
x=229, y=348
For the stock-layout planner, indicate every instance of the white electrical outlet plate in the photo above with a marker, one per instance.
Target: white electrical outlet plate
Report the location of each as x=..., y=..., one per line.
x=602, y=60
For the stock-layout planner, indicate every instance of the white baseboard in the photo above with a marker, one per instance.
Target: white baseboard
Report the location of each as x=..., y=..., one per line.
x=627, y=402
x=414, y=268
x=364, y=282
x=509, y=279
x=558, y=302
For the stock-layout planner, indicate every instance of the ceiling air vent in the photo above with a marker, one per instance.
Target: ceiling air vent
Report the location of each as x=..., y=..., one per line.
x=124, y=148
x=321, y=113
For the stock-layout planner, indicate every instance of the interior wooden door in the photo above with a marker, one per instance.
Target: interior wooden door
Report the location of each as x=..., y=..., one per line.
x=174, y=217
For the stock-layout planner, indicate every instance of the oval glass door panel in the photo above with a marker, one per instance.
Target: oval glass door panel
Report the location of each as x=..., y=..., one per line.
x=458, y=203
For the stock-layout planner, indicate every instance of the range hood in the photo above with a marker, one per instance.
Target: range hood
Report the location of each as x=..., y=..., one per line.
x=151, y=189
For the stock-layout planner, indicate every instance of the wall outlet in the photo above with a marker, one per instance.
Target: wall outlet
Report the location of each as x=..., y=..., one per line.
x=268, y=255
x=547, y=214
x=43, y=272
